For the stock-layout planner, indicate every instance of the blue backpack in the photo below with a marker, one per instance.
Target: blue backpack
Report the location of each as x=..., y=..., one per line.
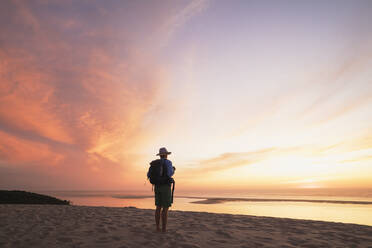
x=158, y=172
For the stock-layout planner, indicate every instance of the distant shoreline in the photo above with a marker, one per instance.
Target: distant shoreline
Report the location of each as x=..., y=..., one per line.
x=217, y=200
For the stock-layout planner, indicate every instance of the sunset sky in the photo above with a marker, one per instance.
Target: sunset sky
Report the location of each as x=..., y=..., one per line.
x=245, y=94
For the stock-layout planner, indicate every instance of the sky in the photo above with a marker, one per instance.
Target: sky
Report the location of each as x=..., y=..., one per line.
x=245, y=94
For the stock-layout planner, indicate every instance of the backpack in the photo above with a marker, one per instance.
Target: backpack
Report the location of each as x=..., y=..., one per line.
x=158, y=173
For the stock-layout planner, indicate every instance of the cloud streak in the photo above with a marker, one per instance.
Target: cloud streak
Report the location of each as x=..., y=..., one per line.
x=231, y=160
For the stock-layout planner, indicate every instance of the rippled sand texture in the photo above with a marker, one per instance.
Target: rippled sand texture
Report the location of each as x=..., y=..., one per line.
x=76, y=226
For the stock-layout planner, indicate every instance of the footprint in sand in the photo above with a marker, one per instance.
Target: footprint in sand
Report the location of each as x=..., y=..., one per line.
x=64, y=239
x=185, y=245
x=116, y=238
x=101, y=230
x=224, y=234
x=112, y=228
x=295, y=241
x=136, y=229
x=102, y=240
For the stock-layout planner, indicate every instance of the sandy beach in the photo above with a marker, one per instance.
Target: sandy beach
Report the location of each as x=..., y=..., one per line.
x=79, y=226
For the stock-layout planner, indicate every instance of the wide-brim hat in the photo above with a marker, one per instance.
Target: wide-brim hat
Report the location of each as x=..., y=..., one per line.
x=163, y=151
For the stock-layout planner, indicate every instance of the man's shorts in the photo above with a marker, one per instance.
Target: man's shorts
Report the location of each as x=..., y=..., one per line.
x=163, y=195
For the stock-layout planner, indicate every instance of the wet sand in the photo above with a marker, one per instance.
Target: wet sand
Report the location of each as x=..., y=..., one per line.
x=79, y=226
x=222, y=200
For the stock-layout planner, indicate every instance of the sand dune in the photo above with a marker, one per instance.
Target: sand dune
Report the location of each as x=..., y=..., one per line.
x=78, y=226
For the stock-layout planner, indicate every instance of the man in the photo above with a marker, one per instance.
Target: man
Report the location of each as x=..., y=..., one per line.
x=163, y=193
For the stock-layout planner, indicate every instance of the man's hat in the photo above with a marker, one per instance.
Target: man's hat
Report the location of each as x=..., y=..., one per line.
x=163, y=151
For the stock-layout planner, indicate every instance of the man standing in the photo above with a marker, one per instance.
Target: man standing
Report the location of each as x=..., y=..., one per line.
x=160, y=174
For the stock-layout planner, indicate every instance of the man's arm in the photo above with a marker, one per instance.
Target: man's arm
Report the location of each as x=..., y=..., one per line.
x=170, y=170
x=148, y=173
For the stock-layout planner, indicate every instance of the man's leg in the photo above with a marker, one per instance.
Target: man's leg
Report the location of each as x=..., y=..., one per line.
x=164, y=217
x=157, y=218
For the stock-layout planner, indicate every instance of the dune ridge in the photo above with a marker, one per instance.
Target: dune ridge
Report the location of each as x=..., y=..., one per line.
x=24, y=197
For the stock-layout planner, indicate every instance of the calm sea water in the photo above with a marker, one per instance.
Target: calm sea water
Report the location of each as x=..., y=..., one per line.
x=357, y=209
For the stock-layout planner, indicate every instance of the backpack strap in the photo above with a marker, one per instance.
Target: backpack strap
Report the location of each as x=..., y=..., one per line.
x=164, y=168
x=174, y=184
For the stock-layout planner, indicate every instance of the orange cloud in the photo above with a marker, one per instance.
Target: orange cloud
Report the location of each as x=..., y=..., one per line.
x=25, y=99
x=75, y=86
x=15, y=151
x=231, y=160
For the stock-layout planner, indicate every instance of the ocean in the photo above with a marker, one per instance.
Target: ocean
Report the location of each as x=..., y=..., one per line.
x=336, y=206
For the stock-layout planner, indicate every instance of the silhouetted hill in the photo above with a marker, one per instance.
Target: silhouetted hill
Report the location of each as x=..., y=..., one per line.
x=23, y=197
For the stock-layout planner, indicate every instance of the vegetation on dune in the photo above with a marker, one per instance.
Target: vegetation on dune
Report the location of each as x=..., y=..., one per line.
x=23, y=197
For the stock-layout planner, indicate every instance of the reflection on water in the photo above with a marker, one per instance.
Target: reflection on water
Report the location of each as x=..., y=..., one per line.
x=347, y=213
